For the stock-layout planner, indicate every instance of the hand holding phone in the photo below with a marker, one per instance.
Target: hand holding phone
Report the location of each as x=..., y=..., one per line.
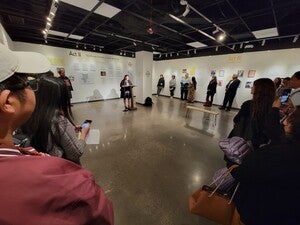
x=284, y=98
x=85, y=128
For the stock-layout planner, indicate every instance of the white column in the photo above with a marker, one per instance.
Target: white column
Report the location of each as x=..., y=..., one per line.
x=144, y=66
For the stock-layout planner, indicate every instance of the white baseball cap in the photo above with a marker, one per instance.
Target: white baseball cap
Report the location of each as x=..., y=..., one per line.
x=21, y=62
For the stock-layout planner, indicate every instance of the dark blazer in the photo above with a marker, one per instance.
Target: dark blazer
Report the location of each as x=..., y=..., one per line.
x=212, y=87
x=123, y=89
x=161, y=82
x=233, y=86
x=259, y=131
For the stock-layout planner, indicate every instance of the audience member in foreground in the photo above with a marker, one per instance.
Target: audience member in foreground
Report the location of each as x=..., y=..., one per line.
x=36, y=189
x=51, y=126
x=269, y=184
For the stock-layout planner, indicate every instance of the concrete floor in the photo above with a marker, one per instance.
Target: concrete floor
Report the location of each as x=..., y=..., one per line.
x=150, y=160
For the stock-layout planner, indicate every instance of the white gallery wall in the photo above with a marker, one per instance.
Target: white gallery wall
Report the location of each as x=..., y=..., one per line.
x=94, y=76
x=271, y=64
x=97, y=76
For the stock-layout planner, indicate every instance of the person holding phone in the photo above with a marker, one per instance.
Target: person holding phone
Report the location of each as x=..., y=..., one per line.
x=51, y=127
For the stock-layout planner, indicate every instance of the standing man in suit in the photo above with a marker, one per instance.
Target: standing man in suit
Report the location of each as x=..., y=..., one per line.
x=230, y=92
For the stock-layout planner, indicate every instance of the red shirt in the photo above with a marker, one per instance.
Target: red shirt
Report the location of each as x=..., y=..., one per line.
x=46, y=190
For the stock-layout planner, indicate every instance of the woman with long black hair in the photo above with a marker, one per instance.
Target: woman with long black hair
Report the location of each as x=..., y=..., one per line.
x=51, y=127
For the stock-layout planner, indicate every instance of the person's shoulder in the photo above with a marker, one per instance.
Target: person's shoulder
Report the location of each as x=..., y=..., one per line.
x=44, y=166
x=247, y=103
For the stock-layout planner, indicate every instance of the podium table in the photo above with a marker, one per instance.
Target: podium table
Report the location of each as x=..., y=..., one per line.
x=132, y=100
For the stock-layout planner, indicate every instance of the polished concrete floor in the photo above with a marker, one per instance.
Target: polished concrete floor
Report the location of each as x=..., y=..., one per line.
x=150, y=160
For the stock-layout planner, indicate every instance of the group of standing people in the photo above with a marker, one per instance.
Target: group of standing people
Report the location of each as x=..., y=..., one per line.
x=187, y=87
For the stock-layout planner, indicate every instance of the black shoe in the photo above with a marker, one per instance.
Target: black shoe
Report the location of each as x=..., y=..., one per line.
x=125, y=110
x=221, y=108
x=227, y=109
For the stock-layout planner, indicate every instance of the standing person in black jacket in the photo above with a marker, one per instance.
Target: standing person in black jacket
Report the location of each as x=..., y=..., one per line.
x=160, y=84
x=211, y=90
x=61, y=72
x=230, y=92
x=269, y=179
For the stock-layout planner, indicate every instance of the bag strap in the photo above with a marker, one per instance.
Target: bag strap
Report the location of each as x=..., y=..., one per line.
x=236, y=188
x=224, y=176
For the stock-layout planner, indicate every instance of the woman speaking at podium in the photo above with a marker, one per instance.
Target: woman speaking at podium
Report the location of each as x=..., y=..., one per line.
x=126, y=92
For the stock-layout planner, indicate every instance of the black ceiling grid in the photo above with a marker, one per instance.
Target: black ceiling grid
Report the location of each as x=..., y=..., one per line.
x=24, y=20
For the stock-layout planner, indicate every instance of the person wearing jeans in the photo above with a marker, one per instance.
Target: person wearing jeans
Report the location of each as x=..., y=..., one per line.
x=172, y=86
x=160, y=84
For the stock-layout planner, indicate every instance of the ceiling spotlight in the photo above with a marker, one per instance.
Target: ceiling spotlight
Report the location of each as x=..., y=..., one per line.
x=94, y=48
x=49, y=19
x=216, y=30
x=187, y=10
x=52, y=13
x=221, y=37
x=44, y=32
x=84, y=46
x=124, y=53
x=134, y=43
x=177, y=53
x=241, y=45
x=76, y=45
x=195, y=51
x=295, y=38
x=263, y=42
x=233, y=47
x=188, y=52
x=159, y=55
x=49, y=24
x=217, y=48
x=183, y=2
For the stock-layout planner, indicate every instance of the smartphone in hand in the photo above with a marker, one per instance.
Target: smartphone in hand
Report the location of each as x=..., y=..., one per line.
x=85, y=124
x=284, y=98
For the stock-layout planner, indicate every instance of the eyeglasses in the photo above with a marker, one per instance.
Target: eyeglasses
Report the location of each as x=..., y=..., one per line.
x=33, y=84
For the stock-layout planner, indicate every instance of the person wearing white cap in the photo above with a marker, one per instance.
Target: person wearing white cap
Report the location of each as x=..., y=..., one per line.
x=39, y=189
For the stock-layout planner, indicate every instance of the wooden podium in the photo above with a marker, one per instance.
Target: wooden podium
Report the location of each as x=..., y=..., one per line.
x=132, y=96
